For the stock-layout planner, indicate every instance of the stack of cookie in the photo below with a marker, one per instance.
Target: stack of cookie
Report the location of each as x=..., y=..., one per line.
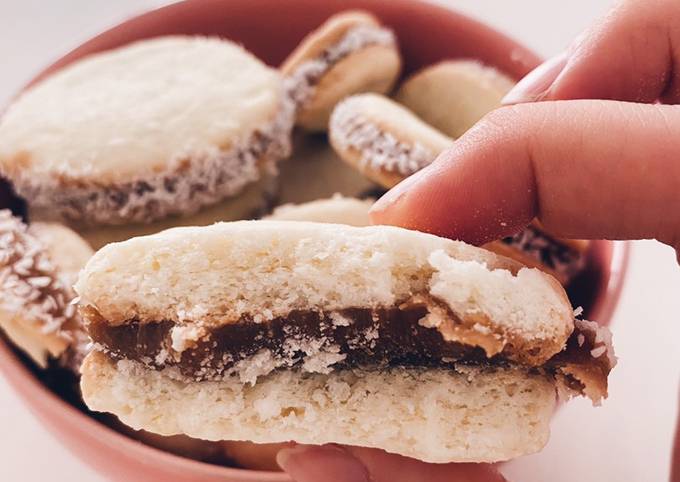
x=190, y=131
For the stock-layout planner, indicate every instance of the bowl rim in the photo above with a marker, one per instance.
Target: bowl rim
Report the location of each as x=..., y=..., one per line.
x=27, y=386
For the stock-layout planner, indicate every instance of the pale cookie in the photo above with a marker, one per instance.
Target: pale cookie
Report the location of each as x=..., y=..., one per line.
x=350, y=53
x=158, y=128
x=453, y=95
x=382, y=139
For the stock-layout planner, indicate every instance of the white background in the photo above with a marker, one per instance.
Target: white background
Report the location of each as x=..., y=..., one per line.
x=628, y=439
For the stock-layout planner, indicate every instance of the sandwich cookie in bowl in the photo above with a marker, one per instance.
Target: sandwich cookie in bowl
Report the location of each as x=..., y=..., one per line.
x=38, y=266
x=156, y=129
x=382, y=139
x=453, y=95
x=350, y=53
x=335, y=210
x=316, y=333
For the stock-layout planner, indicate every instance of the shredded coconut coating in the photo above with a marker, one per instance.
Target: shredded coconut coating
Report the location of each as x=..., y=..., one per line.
x=191, y=182
x=555, y=255
x=29, y=283
x=303, y=80
x=379, y=150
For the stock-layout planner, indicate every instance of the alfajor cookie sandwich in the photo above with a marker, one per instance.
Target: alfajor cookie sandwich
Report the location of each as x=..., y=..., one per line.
x=158, y=128
x=38, y=266
x=350, y=53
x=380, y=337
x=453, y=95
x=382, y=139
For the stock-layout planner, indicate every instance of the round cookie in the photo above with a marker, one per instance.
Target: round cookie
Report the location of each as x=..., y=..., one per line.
x=453, y=95
x=382, y=139
x=158, y=128
x=336, y=210
x=38, y=266
x=350, y=53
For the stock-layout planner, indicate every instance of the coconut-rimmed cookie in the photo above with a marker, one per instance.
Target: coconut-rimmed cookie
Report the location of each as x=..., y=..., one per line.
x=453, y=95
x=38, y=266
x=158, y=128
x=382, y=139
x=350, y=53
x=316, y=333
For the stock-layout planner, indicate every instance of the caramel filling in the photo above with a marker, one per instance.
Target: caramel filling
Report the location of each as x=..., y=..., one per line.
x=321, y=342
x=351, y=337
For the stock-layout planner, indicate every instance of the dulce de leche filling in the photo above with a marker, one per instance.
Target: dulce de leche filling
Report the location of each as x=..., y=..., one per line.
x=349, y=337
x=320, y=342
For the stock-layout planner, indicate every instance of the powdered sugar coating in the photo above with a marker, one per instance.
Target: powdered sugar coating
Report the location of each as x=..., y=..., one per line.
x=378, y=149
x=192, y=181
x=303, y=80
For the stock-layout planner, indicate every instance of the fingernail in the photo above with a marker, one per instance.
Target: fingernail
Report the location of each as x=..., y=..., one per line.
x=330, y=463
x=536, y=84
x=392, y=197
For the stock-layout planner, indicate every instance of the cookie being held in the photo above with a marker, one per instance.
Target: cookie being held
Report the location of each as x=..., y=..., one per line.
x=319, y=333
x=350, y=53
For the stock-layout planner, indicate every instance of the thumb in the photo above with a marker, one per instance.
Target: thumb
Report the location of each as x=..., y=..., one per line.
x=334, y=463
x=587, y=169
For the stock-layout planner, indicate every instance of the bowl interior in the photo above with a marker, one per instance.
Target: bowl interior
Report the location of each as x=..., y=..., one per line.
x=271, y=29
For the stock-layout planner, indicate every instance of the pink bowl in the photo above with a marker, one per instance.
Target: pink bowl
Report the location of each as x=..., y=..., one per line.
x=271, y=29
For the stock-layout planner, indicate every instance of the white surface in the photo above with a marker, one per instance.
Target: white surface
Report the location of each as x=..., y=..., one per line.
x=628, y=439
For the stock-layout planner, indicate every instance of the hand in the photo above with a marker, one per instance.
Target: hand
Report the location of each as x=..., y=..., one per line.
x=587, y=168
x=607, y=168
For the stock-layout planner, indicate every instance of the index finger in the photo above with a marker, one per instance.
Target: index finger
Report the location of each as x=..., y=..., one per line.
x=586, y=169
